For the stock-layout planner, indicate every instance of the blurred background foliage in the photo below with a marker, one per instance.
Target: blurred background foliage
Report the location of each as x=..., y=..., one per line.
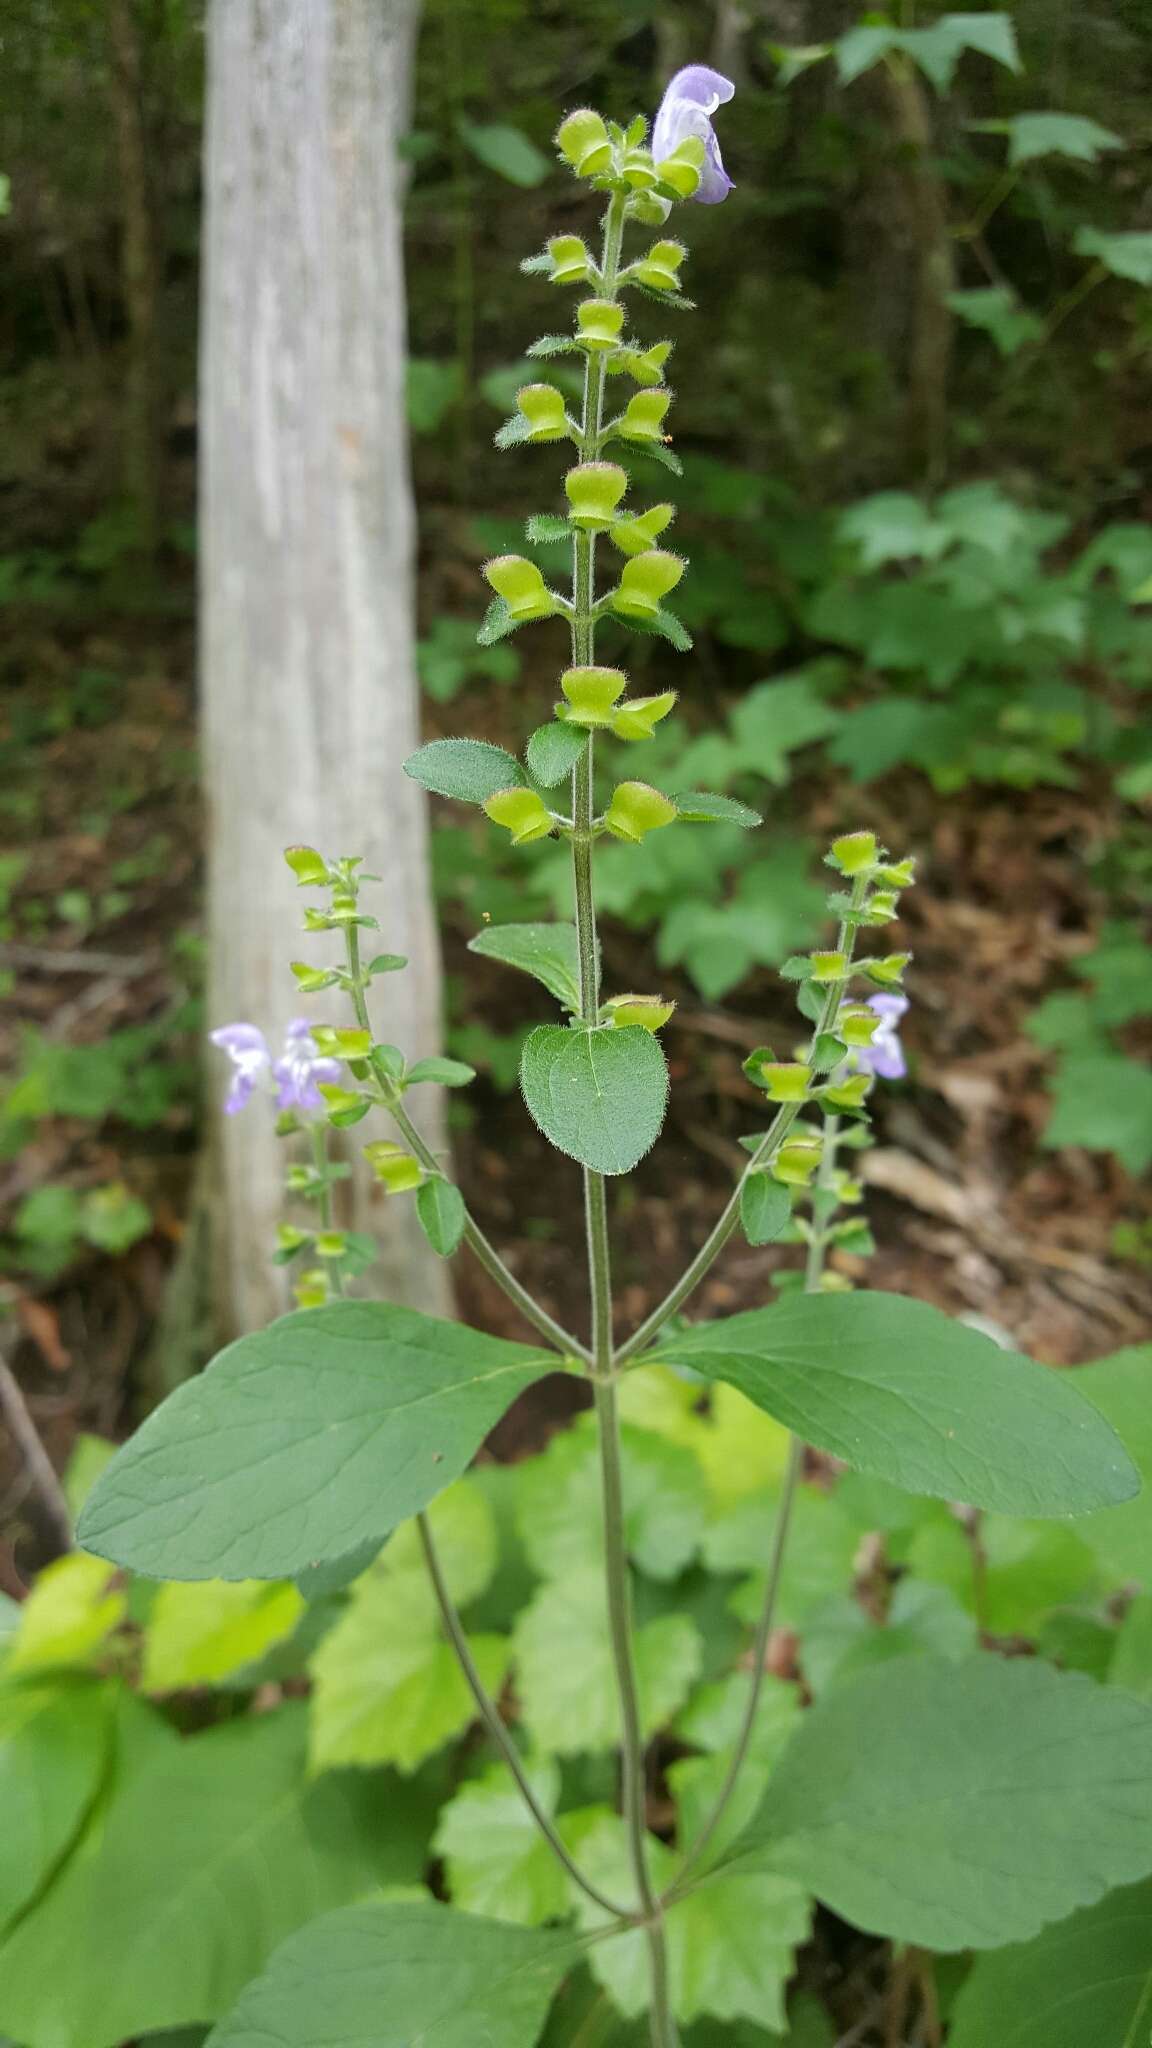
x=914, y=424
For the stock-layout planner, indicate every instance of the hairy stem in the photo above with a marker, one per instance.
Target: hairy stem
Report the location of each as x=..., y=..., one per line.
x=813, y=1272
x=617, y=1583
x=481, y=1247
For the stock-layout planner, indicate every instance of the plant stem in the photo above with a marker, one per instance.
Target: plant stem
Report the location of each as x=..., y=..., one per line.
x=617, y=1583
x=490, y=1715
x=478, y=1244
x=781, y=1123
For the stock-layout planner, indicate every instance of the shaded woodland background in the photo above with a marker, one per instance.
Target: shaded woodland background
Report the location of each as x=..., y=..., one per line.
x=887, y=319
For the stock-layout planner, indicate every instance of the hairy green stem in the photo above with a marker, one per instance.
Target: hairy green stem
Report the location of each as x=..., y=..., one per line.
x=616, y=1568
x=813, y=1272
x=481, y=1247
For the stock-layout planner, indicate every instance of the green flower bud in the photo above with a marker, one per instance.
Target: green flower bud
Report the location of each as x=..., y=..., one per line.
x=582, y=140
x=650, y=1012
x=660, y=268
x=599, y=322
x=591, y=694
x=311, y=1289
x=521, y=585
x=289, y=1239
x=797, y=1160
x=644, y=416
x=571, y=262
x=639, y=170
x=310, y=980
x=340, y=1044
x=636, y=809
x=857, y=1024
x=309, y=867
x=639, y=717
x=645, y=366
x=784, y=1080
x=899, y=874
x=882, y=907
x=543, y=408
x=827, y=967
x=636, y=536
x=331, y=1244
x=649, y=209
x=855, y=853
x=888, y=970
x=682, y=169
x=344, y=1106
x=393, y=1167
x=848, y=1094
x=522, y=813
x=594, y=491
x=644, y=582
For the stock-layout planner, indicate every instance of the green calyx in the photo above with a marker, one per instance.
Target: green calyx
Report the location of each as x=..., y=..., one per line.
x=651, y=1013
x=637, y=809
x=542, y=407
x=599, y=323
x=582, y=140
x=645, y=582
x=393, y=1167
x=570, y=260
x=522, y=813
x=522, y=587
x=643, y=417
x=591, y=694
x=594, y=492
x=681, y=171
x=660, y=268
x=634, y=536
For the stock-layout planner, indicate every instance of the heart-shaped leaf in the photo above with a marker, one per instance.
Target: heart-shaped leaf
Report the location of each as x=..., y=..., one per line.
x=599, y=1096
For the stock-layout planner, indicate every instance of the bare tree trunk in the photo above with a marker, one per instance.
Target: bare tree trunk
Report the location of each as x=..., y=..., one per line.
x=140, y=273
x=310, y=701
x=930, y=352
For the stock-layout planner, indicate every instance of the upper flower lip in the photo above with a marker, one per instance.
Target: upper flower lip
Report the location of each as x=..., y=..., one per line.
x=690, y=100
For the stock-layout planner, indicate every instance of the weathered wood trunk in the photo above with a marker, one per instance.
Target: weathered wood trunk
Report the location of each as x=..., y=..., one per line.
x=309, y=693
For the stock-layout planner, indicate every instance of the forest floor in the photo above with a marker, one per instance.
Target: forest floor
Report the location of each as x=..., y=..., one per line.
x=100, y=950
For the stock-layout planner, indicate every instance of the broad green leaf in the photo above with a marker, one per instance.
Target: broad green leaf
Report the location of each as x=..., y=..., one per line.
x=68, y=1616
x=440, y=1073
x=565, y=1676
x=553, y=751
x=469, y=770
x=507, y=151
x=997, y=311
x=88, y=1458
x=54, y=1745
x=558, y=1505
x=731, y=1945
x=495, y=1858
x=1105, y=1104
x=598, y=1096
x=199, y=1634
x=712, y=1720
x=1121, y=1388
x=860, y=48
x=386, y=1684
x=701, y=807
x=822, y=1542
x=742, y=1450
x=198, y=1862
x=402, y=1975
x=765, y=1207
x=303, y=1442
x=1131, y=1663
x=893, y=526
x=840, y=1639
x=988, y=1798
x=1027, y=1567
x=1125, y=255
x=1072, y=135
x=546, y=951
x=1088, y=1981
x=440, y=1207
x=894, y=1387
x=433, y=388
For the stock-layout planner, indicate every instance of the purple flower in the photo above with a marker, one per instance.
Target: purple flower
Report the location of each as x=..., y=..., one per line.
x=687, y=107
x=296, y=1072
x=885, y=1056
x=300, y=1067
x=248, y=1051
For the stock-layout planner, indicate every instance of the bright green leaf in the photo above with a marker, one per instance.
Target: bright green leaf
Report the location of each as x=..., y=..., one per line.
x=1104, y=1102
x=546, y=951
x=558, y=1503
x=507, y=151
x=893, y=526
x=553, y=751
x=1121, y=1388
x=199, y=1634
x=997, y=311
x=700, y=807
x=765, y=1207
x=304, y=1441
x=1033, y=135
x=402, y=1975
x=1125, y=255
x=469, y=770
x=54, y=1744
x=989, y=1797
x=68, y=1616
x=440, y=1073
x=565, y=1674
x=440, y=1207
x=495, y=1857
x=895, y=1388
x=598, y=1096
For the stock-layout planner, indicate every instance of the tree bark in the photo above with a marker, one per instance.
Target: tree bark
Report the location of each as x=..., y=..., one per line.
x=310, y=703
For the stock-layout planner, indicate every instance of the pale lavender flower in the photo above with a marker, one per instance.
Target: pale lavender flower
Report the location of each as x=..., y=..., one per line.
x=687, y=107
x=247, y=1048
x=300, y=1067
x=885, y=1056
